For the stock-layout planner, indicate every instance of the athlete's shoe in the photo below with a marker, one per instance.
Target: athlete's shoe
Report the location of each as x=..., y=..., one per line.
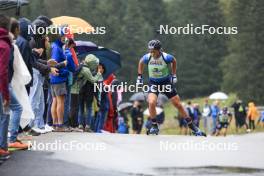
x=154, y=129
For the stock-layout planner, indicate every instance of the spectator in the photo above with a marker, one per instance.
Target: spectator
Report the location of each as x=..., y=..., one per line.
x=182, y=122
x=110, y=124
x=137, y=117
x=31, y=59
x=123, y=126
x=23, y=44
x=252, y=115
x=40, y=70
x=115, y=100
x=15, y=106
x=261, y=119
x=70, y=44
x=196, y=114
x=215, y=111
x=104, y=105
x=30, y=54
x=189, y=109
x=5, y=50
x=58, y=83
x=240, y=115
x=84, y=83
x=206, y=114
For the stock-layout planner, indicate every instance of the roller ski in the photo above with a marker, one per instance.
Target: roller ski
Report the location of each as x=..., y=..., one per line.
x=152, y=129
x=198, y=133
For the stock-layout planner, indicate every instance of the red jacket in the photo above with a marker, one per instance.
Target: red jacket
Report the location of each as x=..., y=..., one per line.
x=110, y=124
x=5, y=49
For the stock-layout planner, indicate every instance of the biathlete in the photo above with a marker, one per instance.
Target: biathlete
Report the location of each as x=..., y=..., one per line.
x=162, y=81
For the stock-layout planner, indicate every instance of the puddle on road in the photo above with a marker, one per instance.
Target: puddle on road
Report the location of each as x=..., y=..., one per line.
x=210, y=171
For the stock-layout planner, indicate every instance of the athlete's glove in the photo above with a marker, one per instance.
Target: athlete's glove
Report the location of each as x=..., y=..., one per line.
x=174, y=79
x=139, y=79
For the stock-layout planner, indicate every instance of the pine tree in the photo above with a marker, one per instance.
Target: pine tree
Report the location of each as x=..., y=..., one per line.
x=243, y=67
x=198, y=56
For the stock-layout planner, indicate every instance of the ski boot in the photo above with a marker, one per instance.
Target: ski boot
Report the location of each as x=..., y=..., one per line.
x=199, y=133
x=154, y=129
x=195, y=130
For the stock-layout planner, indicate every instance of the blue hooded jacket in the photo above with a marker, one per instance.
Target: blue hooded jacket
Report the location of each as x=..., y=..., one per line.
x=58, y=54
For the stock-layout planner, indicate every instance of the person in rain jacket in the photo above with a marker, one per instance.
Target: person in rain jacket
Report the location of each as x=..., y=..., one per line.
x=111, y=122
x=240, y=115
x=36, y=95
x=252, y=115
x=69, y=47
x=18, y=95
x=206, y=114
x=5, y=50
x=215, y=111
x=29, y=54
x=58, y=82
x=196, y=114
x=82, y=79
x=137, y=117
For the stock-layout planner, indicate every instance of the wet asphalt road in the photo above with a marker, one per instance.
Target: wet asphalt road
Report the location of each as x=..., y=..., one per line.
x=64, y=154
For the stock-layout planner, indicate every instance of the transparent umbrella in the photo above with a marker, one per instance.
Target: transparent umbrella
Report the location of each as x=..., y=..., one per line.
x=218, y=96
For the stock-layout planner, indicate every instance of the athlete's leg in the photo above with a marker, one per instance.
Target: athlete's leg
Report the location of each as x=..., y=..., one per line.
x=152, y=102
x=177, y=103
x=217, y=132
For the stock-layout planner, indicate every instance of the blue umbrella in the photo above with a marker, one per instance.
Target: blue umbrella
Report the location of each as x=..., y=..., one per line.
x=84, y=47
x=110, y=59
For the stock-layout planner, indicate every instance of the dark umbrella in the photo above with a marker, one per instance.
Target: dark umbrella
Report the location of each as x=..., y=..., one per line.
x=84, y=47
x=140, y=96
x=110, y=59
x=123, y=106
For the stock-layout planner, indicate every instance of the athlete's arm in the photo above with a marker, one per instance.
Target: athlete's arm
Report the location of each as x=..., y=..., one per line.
x=140, y=67
x=174, y=66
